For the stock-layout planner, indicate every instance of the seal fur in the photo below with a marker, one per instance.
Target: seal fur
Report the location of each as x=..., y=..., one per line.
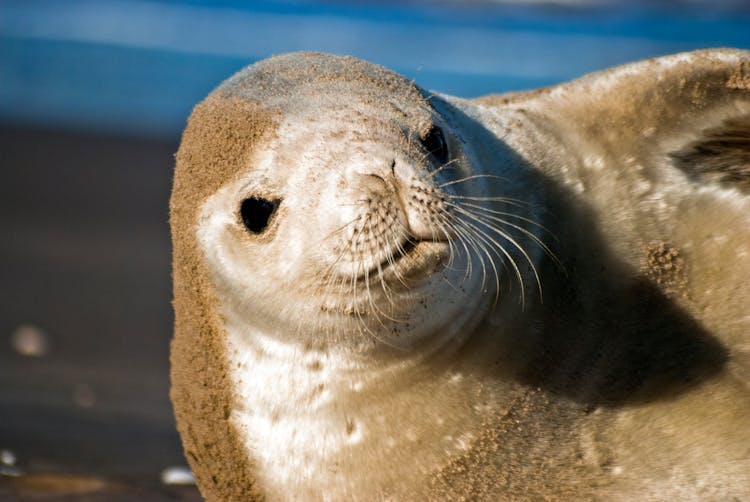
x=552, y=399
x=198, y=349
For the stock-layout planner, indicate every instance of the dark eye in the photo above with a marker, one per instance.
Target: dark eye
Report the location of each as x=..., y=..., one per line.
x=256, y=213
x=434, y=142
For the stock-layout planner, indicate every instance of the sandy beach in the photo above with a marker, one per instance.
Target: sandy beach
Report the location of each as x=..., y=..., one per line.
x=85, y=318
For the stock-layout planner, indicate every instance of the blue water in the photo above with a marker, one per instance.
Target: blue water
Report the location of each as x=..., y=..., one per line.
x=139, y=66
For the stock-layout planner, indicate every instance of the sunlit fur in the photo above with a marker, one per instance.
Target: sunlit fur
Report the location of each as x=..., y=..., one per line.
x=515, y=321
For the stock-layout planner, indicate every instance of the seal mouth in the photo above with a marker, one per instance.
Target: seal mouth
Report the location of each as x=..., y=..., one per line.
x=405, y=249
x=412, y=258
x=393, y=257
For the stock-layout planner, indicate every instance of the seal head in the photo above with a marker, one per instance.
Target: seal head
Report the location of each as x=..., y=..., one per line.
x=349, y=212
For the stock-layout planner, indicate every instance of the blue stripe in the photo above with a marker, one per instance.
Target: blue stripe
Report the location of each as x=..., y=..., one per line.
x=140, y=66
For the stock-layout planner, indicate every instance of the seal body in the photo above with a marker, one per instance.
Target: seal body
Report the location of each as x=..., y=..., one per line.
x=384, y=293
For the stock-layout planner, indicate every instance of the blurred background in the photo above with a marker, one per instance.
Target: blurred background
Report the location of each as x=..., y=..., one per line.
x=93, y=97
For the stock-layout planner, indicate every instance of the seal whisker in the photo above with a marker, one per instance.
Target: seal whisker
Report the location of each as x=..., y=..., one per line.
x=509, y=201
x=480, y=219
x=529, y=234
x=342, y=227
x=445, y=222
x=512, y=215
x=392, y=260
x=388, y=293
x=525, y=231
x=468, y=241
x=376, y=315
x=470, y=178
x=327, y=275
x=515, y=243
x=443, y=226
x=349, y=284
x=432, y=173
x=483, y=245
x=471, y=238
x=392, y=242
x=355, y=310
x=373, y=305
x=345, y=297
x=500, y=247
x=355, y=235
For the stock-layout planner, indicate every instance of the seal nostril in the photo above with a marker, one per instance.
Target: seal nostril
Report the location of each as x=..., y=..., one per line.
x=256, y=213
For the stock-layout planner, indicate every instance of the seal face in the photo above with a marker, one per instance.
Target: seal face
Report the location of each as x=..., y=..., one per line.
x=378, y=289
x=358, y=241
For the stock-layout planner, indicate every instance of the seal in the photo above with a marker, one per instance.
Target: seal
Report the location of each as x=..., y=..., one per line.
x=386, y=293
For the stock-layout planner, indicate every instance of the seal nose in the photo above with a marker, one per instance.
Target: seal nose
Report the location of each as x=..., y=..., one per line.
x=375, y=182
x=423, y=203
x=420, y=204
x=384, y=181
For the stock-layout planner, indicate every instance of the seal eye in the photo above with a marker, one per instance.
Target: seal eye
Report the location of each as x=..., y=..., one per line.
x=434, y=142
x=256, y=213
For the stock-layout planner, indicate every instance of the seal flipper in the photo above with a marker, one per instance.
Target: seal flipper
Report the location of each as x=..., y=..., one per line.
x=692, y=109
x=721, y=154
